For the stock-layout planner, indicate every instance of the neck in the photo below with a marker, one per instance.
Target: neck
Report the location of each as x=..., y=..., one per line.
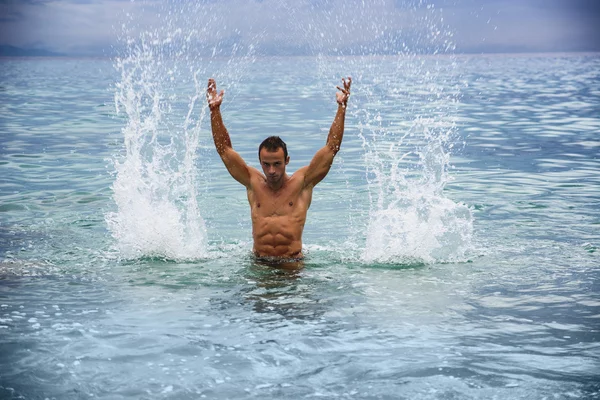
x=275, y=186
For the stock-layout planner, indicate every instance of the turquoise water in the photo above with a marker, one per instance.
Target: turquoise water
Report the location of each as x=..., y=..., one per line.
x=452, y=251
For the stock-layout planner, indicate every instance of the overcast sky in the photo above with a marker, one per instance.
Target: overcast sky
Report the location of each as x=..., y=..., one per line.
x=97, y=27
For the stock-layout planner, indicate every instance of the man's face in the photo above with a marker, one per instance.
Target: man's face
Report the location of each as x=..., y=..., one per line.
x=273, y=164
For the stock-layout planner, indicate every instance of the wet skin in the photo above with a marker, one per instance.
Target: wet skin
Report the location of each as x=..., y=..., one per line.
x=278, y=202
x=278, y=207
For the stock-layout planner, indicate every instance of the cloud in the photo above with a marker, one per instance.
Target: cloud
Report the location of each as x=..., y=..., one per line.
x=305, y=26
x=76, y=26
x=532, y=25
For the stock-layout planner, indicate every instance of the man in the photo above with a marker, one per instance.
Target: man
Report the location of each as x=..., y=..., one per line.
x=278, y=202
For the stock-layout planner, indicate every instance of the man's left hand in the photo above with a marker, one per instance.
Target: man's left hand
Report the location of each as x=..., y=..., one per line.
x=344, y=93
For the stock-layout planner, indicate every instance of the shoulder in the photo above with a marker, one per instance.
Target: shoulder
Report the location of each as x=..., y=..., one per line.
x=301, y=173
x=299, y=177
x=256, y=177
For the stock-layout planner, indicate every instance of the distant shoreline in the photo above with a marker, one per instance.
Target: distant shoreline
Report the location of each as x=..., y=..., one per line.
x=383, y=56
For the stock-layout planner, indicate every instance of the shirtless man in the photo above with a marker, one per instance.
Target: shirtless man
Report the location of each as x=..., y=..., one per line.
x=278, y=202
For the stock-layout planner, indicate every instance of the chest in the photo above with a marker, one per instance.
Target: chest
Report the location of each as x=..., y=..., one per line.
x=284, y=202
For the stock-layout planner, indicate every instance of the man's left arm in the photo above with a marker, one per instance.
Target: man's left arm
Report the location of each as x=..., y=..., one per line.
x=323, y=159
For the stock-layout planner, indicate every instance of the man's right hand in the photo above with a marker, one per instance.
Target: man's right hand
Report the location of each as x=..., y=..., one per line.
x=214, y=98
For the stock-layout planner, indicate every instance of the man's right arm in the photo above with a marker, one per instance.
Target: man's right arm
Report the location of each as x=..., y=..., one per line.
x=235, y=164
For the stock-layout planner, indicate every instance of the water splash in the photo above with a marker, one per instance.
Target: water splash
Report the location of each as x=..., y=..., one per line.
x=154, y=189
x=163, y=72
x=404, y=118
x=406, y=123
x=411, y=220
x=408, y=134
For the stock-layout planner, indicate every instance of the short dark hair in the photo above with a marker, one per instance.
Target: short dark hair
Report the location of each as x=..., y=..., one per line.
x=272, y=143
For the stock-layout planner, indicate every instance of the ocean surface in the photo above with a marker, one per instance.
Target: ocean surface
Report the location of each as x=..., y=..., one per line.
x=452, y=251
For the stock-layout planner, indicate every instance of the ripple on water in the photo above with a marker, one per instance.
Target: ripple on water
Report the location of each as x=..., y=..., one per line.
x=517, y=321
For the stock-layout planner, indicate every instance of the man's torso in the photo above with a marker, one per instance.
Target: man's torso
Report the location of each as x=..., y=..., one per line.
x=278, y=217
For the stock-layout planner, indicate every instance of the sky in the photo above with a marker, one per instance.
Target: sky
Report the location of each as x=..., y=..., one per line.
x=102, y=27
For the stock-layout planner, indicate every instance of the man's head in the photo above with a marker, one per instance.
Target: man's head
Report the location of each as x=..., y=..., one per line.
x=273, y=157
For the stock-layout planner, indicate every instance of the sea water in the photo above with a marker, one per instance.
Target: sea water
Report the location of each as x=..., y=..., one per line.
x=451, y=250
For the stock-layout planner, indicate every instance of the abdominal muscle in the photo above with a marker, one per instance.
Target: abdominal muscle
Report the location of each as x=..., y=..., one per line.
x=278, y=218
x=277, y=236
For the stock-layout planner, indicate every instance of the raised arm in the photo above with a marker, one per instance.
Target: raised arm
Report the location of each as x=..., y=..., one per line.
x=321, y=162
x=235, y=164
